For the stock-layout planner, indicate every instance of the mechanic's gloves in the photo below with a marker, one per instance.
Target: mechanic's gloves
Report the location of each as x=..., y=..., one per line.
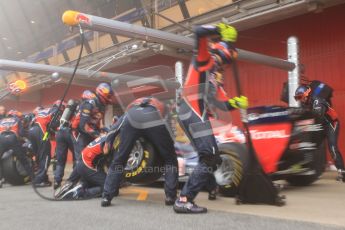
x=227, y=32
x=239, y=102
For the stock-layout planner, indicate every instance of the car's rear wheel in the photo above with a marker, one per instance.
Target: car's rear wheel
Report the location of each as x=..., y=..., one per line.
x=318, y=166
x=235, y=162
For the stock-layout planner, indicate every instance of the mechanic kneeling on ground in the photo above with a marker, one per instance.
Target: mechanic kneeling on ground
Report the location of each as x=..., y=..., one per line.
x=11, y=134
x=90, y=168
x=321, y=107
x=203, y=85
x=143, y=118
x=91, y=171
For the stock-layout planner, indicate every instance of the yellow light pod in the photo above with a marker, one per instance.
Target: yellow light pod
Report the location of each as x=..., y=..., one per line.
x=70, y=17
x=20, y=84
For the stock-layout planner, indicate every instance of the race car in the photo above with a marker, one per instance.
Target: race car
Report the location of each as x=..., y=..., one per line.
x=288, y=142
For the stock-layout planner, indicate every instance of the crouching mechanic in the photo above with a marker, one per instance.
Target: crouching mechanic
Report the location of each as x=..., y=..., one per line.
x=91, y=171
x=11, y=134
x=143, y=118
x=322, y=108
x=203, y=90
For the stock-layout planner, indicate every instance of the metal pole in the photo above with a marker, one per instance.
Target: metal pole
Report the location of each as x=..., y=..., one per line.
x=179, y=78
x=81, y=73
x=179, y=72
x=73, y=18
x=49, y=69
x=4, y=95
x=294, y=75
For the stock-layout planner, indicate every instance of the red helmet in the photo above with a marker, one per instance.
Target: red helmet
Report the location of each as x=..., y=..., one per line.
x=88, y=95
x=14, y=113
x=104, y=93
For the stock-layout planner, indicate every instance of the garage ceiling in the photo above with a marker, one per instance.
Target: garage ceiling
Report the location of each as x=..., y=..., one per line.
x=29, y=26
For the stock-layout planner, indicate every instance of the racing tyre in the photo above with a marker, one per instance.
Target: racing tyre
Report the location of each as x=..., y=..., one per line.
x=13, y=171
x=144, y=164
x=319, y=165
x=235, y=162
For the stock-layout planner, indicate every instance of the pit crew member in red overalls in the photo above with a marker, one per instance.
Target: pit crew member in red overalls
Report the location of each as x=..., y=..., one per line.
x=202, y=90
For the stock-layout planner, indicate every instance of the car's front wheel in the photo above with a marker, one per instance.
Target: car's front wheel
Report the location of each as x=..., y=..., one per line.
x=144, y=165
x=234, y=163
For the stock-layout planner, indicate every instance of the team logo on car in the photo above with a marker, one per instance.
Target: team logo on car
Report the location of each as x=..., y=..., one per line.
x=257, y=135
x=270, y=142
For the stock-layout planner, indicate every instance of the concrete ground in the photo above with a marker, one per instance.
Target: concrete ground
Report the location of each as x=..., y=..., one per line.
x=319, y=206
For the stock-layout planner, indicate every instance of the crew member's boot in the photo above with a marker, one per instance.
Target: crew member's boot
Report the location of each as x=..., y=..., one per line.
x=182, y=205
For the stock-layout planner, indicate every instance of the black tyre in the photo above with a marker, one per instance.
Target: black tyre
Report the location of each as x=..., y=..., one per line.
x=236, y=156
x=13, y=171
x=144, y=164
x=318, y=165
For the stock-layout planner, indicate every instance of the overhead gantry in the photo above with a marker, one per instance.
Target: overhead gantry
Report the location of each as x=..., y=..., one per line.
x=86, y=21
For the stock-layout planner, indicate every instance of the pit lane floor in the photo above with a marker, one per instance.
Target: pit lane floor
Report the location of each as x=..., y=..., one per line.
x=320, y=206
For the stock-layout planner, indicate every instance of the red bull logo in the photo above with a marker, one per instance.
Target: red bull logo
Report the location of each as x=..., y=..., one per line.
x=81, y=18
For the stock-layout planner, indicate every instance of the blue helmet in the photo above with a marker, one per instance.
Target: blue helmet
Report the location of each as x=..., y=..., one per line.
x=88, y=95
x=302, y=92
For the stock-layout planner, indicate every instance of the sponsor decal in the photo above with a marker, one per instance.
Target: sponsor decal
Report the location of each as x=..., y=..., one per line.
x=309, y=128
x=256, y=116
x=257, y=135
x=303, y=146
x=305, y=122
